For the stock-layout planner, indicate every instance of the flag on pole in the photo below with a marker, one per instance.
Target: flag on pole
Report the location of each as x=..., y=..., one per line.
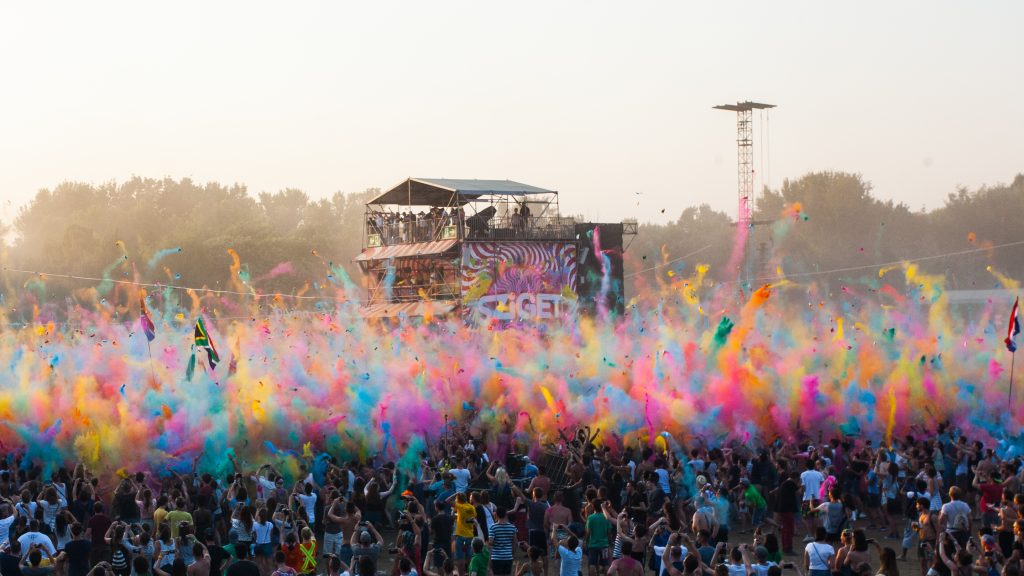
x=203, y=341
x=1013, y=329
x=147, y=323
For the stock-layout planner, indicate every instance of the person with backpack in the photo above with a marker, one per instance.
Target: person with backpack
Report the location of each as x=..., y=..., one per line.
x=955, y=516
x=835, y=516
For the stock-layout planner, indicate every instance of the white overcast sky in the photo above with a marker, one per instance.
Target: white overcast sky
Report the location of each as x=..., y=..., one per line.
x=599, y=100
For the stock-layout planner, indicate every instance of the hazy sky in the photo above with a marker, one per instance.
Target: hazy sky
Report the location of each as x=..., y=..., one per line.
x=598, y=100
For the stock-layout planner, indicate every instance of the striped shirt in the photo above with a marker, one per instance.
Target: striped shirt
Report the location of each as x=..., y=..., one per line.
x=617, y=546
x=503, y=540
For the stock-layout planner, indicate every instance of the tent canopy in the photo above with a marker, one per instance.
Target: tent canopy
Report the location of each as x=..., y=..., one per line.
x=451, y=191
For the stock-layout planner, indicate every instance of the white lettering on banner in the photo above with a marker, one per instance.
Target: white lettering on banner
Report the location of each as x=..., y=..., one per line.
x=524, y=306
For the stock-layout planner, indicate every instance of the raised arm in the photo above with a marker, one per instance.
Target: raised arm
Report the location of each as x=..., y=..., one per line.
x=666, y=557
x=391, y=488
x=944, y=554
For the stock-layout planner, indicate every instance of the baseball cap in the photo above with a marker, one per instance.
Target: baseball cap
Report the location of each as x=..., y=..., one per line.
x=762, y=553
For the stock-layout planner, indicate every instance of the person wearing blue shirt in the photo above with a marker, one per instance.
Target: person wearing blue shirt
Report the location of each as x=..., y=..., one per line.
x=530, y=470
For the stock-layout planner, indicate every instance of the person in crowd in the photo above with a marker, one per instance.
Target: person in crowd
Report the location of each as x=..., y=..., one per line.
x=621, y=509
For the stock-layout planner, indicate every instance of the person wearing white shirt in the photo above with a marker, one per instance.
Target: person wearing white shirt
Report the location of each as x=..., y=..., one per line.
x=572, y=558
x=462, y=477
x=740, y=561
x=308, y=500
x=673, y=551
x=818, y=555
x=763, y=564
x=264, y=483
x=34, y=537
x=811, y=480
x=6, y=523
x=955, y=515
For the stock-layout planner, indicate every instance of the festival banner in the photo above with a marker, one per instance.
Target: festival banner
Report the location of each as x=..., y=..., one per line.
x=519, y=281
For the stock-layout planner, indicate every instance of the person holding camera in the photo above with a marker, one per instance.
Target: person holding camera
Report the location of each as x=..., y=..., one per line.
x=569, y=550
x=32, y=563
x=366, y=542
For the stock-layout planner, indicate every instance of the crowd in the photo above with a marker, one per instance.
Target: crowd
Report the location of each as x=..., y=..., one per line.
x=935, y=502
x=404, y=227
x=409, y=226
x=423, y=277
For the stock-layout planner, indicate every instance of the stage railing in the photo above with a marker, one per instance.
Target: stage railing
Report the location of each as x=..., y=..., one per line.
x=431, y=229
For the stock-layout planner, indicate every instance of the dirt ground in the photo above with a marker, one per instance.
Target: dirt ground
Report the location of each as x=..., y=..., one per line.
x=910, y=567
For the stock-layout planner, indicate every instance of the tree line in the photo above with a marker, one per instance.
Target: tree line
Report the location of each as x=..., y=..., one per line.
x=824, y=225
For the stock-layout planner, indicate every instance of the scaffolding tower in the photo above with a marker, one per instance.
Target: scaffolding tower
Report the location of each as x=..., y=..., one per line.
x=745, y=173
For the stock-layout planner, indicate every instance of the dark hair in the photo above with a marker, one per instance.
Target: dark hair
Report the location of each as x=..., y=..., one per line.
x=627, y=548
x=179, y=568
x=860, y=540
x=140, y=565
x=771, y=543
x=366, y=567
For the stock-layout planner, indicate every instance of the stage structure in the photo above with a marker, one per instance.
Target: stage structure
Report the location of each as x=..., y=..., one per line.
x=487, y=250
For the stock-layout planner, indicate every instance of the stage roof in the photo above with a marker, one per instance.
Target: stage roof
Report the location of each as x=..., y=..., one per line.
x=448, y=191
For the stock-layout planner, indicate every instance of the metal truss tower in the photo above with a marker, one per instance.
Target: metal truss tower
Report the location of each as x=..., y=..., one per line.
x=745, y=156
x=745, y=170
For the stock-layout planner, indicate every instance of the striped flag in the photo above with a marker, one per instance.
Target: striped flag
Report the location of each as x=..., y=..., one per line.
x=147, y=323
x=1013, y=329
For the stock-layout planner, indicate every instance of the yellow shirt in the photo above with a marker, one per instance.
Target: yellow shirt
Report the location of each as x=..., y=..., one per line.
x=158, y=518
x=176, y=517
x=464, y=513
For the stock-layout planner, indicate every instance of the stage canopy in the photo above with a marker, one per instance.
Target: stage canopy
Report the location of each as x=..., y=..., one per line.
x=451, y=191
x=406, y=250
